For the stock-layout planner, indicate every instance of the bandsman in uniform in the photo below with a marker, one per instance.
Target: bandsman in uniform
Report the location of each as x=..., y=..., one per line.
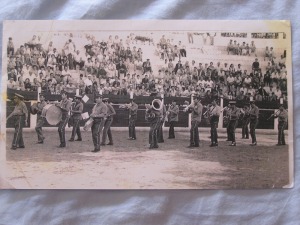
x=233, y=121
x=163, y=113
x=214, y=113
x=76, y=112
x=245, y=122
x=153, y=116
x=65, y=106
x=99, y=113
x=133, y=108
x=109, y=119
x=196, y=113
x=20, y=116
x=172, y=114
x=40, y=120
x=227, y=111
x=254, y=112
x=282, y=123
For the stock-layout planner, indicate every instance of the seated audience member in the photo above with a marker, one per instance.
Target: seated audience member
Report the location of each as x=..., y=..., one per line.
x=255, y=65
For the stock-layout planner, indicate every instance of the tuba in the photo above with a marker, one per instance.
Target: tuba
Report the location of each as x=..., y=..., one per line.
x=157, y=104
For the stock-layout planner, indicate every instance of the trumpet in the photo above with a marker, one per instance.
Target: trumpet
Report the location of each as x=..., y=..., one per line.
x=225, y=108
x=208, y=112
x=190, y=106
x=274, y=114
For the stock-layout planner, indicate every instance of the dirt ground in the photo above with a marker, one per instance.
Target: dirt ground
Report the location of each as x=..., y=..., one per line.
x=131, y=165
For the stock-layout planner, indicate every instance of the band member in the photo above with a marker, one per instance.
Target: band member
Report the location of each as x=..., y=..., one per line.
x=282, y=123
x=233, y=121
x=65, y=106
x=163, y=113
x=226, y=121
x=153, y=116
x=99, y=113
x=245, y=122
x=76, y=112
x=196, y=111
x=109, y=119
x=172, y=113
x=254, y=112
x=214, y=112
x=40, y=120
x=20, y=116
x=133, y=107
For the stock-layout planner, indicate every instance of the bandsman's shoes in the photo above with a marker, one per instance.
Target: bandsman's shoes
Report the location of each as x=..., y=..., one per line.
x=110, y=143
x=233, y=144
x=96, y=150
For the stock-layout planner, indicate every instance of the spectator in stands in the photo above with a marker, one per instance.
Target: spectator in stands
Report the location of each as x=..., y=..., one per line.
x=278, y=92
x=11, y=83
x=10, y=47
x=240, y=95
x=147, y=66
x=247, y=80
x=88, y=84
x=121, y=69
x=253, y=48
x=255, y=65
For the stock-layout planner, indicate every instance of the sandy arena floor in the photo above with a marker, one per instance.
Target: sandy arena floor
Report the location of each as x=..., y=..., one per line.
x=131, y=165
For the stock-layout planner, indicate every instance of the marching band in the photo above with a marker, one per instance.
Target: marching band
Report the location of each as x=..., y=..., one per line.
x=156, y=114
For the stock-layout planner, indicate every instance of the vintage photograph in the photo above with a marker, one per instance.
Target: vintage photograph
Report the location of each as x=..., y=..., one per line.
x=146, y=105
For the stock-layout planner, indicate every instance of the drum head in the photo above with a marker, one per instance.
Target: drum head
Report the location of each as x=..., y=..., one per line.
x=53, y=115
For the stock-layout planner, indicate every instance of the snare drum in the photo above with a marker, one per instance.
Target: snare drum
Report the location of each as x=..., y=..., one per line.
x=34, y=108
x=52, y=114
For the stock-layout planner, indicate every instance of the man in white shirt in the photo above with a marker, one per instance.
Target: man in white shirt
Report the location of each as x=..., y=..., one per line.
x=244, y=89
x=278, y=92
x=251, y=90
x=88, y=84
x=230, y=80
x=247, y=80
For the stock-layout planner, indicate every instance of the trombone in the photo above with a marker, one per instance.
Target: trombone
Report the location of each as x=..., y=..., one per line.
x=125, y=106
x=275, y=114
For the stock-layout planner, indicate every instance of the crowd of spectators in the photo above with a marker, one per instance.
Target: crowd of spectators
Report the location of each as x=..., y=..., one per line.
x=118, y=67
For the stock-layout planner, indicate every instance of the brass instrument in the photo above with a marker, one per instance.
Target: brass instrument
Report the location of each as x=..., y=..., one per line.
x=190, y=106
x=225, y=108
x=275, y=114
x=155, y=105
x=125, y=106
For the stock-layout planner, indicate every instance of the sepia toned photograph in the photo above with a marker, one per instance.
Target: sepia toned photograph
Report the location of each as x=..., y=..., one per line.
x=146, y=105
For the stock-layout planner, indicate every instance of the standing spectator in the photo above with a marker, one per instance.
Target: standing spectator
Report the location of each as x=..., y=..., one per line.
x=10, y=47
x=147, y=66
x=122, y=70
x=255, y=65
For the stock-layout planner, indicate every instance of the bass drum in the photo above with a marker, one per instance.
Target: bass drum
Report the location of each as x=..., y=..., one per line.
x=52, y=114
